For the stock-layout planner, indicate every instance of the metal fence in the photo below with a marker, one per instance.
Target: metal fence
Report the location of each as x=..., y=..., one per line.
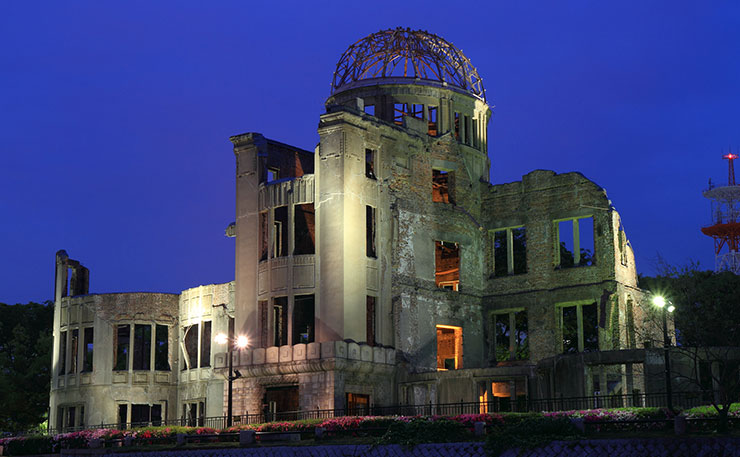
x=681, y=400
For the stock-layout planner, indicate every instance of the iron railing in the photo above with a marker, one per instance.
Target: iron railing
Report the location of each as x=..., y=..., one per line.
x=681, y=400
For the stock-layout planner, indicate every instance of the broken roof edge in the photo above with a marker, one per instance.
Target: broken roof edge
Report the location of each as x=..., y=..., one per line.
x=537, y=175
x=259, y=139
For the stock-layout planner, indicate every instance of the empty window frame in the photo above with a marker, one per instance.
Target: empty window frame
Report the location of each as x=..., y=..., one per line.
x=511, y=335
x=190, y=348
x=264, y=235
x=415, y=110
x=509, y=251
x=449, y=347
x=370, y=320
x=475, y=133
x=574, y=242
x=264, y=323
x=370, y=159
x=142, y=349
x=144, y=415
x=273, y=174
x=441, y=186
x=466, y=132
x=62, y=352
x=432, y=127
x=370, y=224
x=305, y=229
x=121, y=347
x=205, y=344
x=369, y=109
x=447, y=265
x=280, y=232
x=399, y=111
x=579, y=327
x=622, y=241
x=303, y=319
x=87, y=355
x=73, y=347
x=161, y=348
x=280, y=321
x=457, y=125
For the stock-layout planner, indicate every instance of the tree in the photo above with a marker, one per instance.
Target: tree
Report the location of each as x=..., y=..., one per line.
x=707, y=321
x=25, y=361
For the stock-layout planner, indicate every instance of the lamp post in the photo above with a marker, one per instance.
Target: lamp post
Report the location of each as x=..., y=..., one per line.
x=240, y=342
x=666, y=307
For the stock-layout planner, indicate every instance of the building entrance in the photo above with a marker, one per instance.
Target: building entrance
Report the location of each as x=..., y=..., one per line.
x=280, y=403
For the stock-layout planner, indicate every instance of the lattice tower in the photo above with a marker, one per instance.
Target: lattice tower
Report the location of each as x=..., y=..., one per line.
x=725, y=228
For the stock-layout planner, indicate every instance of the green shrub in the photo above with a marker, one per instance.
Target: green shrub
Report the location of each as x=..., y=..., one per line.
x=30, y=445
x=530, y=433
x=418, y=431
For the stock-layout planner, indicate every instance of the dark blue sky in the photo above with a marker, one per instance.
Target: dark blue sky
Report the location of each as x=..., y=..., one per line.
x=115, y=117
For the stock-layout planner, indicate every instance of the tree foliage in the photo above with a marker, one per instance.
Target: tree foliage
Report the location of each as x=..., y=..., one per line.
x=707, y=304
x=707, y=321
x=25, y=361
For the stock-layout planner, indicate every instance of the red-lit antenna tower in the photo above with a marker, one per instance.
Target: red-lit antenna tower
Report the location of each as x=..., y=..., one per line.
x=725, y=228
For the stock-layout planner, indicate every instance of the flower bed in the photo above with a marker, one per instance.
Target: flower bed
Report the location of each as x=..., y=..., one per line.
x=395, y=429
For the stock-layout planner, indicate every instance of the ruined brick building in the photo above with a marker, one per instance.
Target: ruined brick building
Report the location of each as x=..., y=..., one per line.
x=380, y=268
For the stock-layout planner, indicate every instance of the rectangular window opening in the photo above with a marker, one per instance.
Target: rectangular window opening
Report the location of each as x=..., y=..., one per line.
x=305, y=235
x=142, y=346
x=447, y=265
x=510, y=251
x=73, y=347
x=580, y=328
x=457, y=126
x=432, y=128
x=416, y=110
x=370, y=157
x=161, y=348
x=475, y=133
x=273, y=174
x=399, y=111
x=280, y=232
x=120, y=356
x=590, y=327
x=264, y=332
x=264, y=237
x=62, y=352
x=575, y=242
x=503, y=333
x=205, y=344
x=569, y=326
x=370, y=109
x=190, y=348
x=370, y=321
x=122, y=416
x=441, y=186
x=303, y=319
x=449, y=347
x=280, y=321
x=87, y=356
x=370, y=224
x=467, y=129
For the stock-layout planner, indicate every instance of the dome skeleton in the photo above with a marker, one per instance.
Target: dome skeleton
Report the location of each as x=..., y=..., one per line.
x=432, y=58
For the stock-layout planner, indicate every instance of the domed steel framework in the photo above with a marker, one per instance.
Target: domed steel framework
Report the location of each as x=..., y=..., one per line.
x=404, y=53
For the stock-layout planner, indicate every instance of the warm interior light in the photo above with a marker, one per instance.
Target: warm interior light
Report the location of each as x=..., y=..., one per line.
x=221, y=338
x=659, y=301
x=241, y=341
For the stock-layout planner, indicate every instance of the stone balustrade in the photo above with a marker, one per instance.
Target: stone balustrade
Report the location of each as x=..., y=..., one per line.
x=327, y=350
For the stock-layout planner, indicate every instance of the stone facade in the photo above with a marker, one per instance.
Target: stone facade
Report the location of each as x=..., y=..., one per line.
x=382, y=268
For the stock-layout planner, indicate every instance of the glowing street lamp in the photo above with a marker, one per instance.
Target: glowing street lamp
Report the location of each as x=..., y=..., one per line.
x=240, y=342
x=667, y=307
